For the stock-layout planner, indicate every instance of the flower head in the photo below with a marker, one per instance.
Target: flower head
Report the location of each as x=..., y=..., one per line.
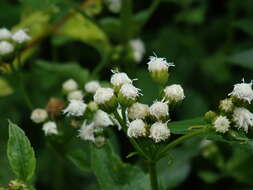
x=21, y=36
x=138, y=48
x=91, y=86
x=87, y=132
x=50, y=128
x=222, y=124
x=159, y=132
x=75, y=95
x=174, y=93
x=118, y=79
x=128, y=94
x=158, y=64
x=6, y=48
x=5, y=34
x=159, y=110
x=75, y=108
x=136, y=129
x=243, y=118
x=226, y=105
x=70, y=85
x=101, y=119
x=106, y=99
x=243, y=91
x=39, y=115
x=138, y=111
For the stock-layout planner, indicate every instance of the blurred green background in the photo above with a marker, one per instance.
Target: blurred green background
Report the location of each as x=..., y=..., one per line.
x=210, y=42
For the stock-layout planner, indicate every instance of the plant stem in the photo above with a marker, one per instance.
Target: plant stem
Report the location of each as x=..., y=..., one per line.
x=100, y=66
x=153, y=176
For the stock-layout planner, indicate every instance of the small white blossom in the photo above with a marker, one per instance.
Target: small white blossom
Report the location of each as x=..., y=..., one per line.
x=243, y=118
x=138, y=111
x=136, y=129
x=20, y=36
x=102, y=119
x=114, y=5
x=70, y=85
x=159, y=110
x=75, y=95
x=118, y=79
x=6, y=48
x=39, y=115
x=92, y=86
x=243, y=91
x=129, y=91
x=221, y=124
x=159, y=132
x=50, y=128
x=158, y=64
x=226, y=105
x=87, y=132
x=103, y=95
x=174, y=93
x=75, y=108
x=5, y=34
x=138, y=48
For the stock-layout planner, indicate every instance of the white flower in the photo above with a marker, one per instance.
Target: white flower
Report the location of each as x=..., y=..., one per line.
x=75, y=108
x=102, y=119
x=20, y=36
x=92, y=86
x=136, y=129
x=70, y=85
x=243, y=91
x=75, y=95
x=138, y=111
x=129, y=91
x=39, y=115
x=226, y=105
x=138, y=49
x=159, y=132
x=6, y=48
x=158, y=64
x=103, y=95
x=114, y=5
x=50, y=128
x=159, y=110
x=119, y=79
x=243, y=118
x=174, y=93
x=87, y=132
x=221, y=124
x=5, y=34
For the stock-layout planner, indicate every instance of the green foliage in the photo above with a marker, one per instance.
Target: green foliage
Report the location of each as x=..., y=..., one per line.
x=244, y=59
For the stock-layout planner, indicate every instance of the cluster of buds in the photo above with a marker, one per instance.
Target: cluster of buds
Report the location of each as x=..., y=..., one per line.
x=233, y=110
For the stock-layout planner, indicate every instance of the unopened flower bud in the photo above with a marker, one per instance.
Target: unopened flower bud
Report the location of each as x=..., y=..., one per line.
x=91, y=86
x=75, y=95
x=226, y=105
x=174, y=93
x=138, y=111
x=159, y=132
x=210, y=116
x=75, y=108
x=50, y=128
x=54, y=107
x=159, y=110
x=158, y=67
x=100, y=141
x=92, y=106
x=69, y=85
x=137, y=129
x=128, y=94
x=39, y=115
x=221, y=124
x=6, y=48
x=114, y=5
x=21, y=36
x=5, y=34
x=106, y=99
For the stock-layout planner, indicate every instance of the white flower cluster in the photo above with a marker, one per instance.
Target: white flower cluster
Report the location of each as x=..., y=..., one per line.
x=8, y=40
x=138, y=49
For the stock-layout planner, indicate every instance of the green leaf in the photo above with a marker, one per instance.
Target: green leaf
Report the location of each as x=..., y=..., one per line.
x=244, y=59
x=66, y=70
x=245, y=25
x=183, y=127
x=80, y=159
x=5, y=88
x=113, y=174
x=40, y=4
x=20, y=153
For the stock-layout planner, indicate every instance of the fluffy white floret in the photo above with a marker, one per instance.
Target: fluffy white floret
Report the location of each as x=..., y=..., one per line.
x=103, y=95
x=243, y=118
x=50, y=128
x=70, y=85
x=5, y=34
x=75, y=95
x=21, y=36
x=119, y=79
x=75, y=108
x=102, y=119
x=136, y=129
x=158, y=64
x=222, y=124
x=243, y=91
x=159, y=132
x=87, y=132
x=114, y=5
x=138, y=48
x=92, y=86
x=129, y=91
x=6, y=48
x=159, y=109
x=174, y=93
x=138, y=111
x=39, y=115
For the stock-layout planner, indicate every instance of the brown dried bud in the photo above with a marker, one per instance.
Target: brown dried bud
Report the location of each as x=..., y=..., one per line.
x=54, y=107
